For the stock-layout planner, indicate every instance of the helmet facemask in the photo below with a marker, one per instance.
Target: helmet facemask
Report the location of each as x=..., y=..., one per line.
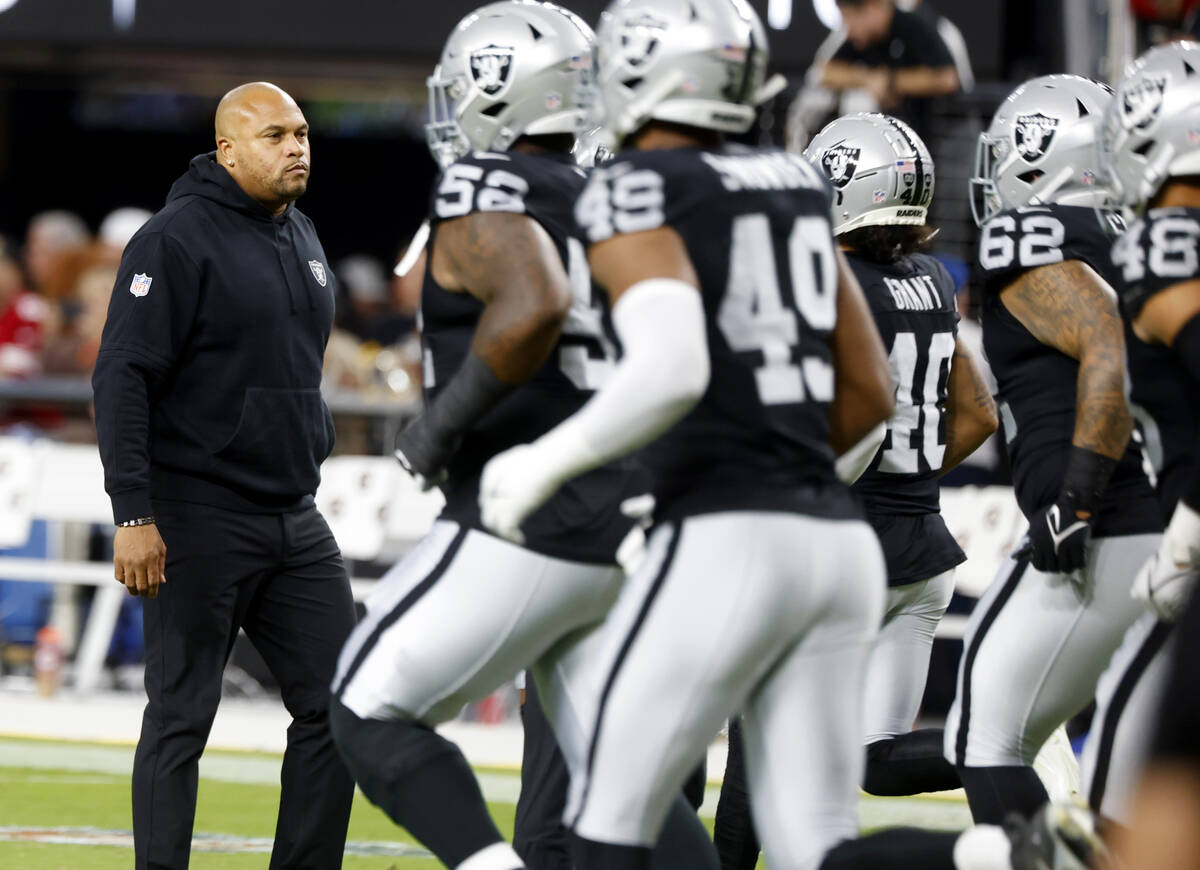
x=990, y=152
x=445, y=136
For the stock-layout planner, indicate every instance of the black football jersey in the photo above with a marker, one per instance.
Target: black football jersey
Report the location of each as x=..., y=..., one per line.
x=912, y=301
x=756, y=227
x=1037, y=384
x=582, y=521
x=1157, y=252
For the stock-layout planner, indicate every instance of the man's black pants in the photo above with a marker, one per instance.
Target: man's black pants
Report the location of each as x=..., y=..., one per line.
x=281, y=578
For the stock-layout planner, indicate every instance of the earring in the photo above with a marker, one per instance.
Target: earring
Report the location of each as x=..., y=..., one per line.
x=230, y=162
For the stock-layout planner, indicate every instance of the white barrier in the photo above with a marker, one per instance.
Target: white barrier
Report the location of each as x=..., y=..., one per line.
x=372, y=507
x=368, y=501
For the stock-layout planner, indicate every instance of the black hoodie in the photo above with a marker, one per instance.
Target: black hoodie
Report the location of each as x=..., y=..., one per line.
x=207, y=382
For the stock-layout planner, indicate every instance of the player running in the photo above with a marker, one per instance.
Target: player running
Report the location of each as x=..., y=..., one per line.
x=749, y=359
x=1042, y=634
x=512, y=344
x=1148, y=155
x=883, y=179
x=944, y=411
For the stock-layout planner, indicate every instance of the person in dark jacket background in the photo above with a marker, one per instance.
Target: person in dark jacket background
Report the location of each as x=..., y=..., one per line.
x=212, y=431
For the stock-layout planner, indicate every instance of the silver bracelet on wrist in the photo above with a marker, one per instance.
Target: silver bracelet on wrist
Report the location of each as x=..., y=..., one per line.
x=140, y=521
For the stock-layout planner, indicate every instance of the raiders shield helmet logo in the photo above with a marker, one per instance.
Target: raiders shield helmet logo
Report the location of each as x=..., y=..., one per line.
x=1032, y=134
x=1142, y=101
x=840, y=163
x=640, y=38
x=491, y=68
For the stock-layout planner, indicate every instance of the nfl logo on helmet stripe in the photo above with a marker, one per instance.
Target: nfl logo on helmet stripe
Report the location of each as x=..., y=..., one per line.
x=140, y=285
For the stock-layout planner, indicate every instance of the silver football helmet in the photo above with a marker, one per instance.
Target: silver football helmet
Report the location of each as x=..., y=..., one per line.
x=881, y=171
x=1151, y=131
x=510, y=69
x=696, y=62
x=1040, y=148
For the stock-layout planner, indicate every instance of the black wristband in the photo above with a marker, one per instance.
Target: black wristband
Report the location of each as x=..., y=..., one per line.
x=468, y=395
x=1186, y=347
x=1087, y=477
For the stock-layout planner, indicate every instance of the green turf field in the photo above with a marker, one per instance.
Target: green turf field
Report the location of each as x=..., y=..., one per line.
x=79, y=792
x=37, y=798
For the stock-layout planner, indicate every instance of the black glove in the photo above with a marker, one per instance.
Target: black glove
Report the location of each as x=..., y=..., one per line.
x=425, y=453
x=426, y=445
x=1058, y=537
x=1058, y=534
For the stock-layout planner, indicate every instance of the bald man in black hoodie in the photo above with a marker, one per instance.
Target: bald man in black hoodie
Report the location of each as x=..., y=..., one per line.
x=212, y=431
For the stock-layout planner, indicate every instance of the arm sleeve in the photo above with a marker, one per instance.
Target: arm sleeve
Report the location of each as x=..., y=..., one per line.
x=148, y=323
x=662, y=374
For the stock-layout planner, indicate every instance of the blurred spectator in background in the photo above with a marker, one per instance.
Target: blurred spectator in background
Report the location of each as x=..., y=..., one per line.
x=50, y=235
x=118, y=228
x=76, y=294
x=370, y=311
x=951, y=36
x=906, y=52
x=374, y=348
x=22, y=319
x=894, y=60
x=406, y=288
x=1161, y=21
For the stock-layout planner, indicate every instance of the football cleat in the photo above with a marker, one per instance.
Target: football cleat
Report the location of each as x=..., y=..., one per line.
x=1058, y=837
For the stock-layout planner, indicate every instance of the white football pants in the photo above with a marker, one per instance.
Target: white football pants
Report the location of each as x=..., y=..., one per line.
x=769, y=614
x=899, y=663
x=1035, y=647
x=460, y=615
x=1127, y=705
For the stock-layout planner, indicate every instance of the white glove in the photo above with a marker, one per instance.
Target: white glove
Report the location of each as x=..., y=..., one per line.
x=852, y=464
x=515, y=483
x=1165, y=582
x=632, y=551
x=1163, y=586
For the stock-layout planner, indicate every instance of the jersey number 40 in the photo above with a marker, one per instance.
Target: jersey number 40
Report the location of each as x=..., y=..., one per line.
x=917, y=413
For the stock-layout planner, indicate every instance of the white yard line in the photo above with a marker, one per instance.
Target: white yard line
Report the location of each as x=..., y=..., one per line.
x=942, y=812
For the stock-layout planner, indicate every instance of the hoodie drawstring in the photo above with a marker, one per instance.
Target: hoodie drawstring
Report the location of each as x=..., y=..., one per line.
x=293, y=264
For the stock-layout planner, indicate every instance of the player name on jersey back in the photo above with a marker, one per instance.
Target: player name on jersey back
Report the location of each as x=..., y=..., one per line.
x=918, y=293
x=774, y=170
x=756, y=226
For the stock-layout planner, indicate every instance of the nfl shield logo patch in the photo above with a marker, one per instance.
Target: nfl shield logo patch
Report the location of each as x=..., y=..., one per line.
x=141, y=284
x=318, y=270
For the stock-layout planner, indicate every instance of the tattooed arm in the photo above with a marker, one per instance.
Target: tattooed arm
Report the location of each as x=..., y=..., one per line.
x=970, y=411
x=1070, y=308
x=1067, y=306
x=509, y=263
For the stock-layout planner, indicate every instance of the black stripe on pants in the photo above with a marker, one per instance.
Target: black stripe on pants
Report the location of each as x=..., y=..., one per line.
x=406, y=604
x=1120, y=699
x=972, y=650
x=655, y=588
